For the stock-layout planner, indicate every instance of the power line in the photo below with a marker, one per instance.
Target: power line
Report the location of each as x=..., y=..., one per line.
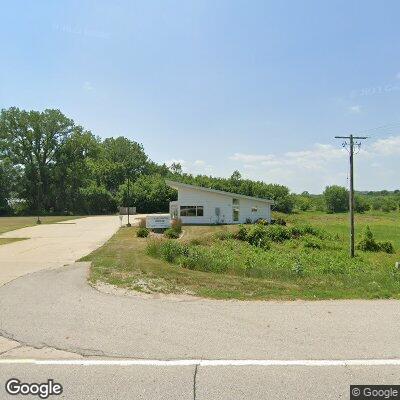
x=351, y=139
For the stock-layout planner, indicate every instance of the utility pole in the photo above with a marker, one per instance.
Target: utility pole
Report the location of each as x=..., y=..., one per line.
x=129, y=198
x=351, y=139
x=38, y=221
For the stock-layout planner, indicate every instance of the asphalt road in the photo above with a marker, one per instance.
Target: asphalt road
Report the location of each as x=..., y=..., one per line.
x=188, y=383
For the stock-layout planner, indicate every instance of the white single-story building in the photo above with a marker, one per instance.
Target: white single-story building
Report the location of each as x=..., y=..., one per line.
x=201, y=205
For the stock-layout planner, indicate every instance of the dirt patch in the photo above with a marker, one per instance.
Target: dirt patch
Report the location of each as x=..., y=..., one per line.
x=127, y=292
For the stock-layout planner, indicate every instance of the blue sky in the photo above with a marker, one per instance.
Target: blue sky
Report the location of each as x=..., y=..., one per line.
x=258, y=86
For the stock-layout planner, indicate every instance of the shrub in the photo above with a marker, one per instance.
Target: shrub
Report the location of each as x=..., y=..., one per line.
x=279, y=221
x=296, y=232
x=171, y=233
x=336, y=199
x=361, y=204
x=298, y=268
x=241, y=234
x=387, y=247
x=257, y=236
x=389, y=205
x=376, y=204
x=260, y=235
x=278, y=233
x=142, y=232
x=224, y=235
x=176, y=225
x=310, y=230
x=312, y=243
x=196, y=259
x=170, y=251
x=368, y=243
x=153, y=248
x=262, y=221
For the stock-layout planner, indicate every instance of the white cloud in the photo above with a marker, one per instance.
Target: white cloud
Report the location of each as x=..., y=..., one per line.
x=322, y=164
x=310, y=158
x=250, y=166
x=388, y=146
x=356, y=109
x=250, y=158
x=199, y=162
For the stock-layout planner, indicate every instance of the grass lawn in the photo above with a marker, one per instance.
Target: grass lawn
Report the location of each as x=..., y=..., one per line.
x=10, y=240
x=223, y=267
x=12, y=223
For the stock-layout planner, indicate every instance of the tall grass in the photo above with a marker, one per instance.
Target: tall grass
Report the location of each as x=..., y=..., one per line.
x=241, y=258
x=306, y=259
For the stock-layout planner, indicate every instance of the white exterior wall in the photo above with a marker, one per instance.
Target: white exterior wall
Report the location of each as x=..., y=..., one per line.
x=210, y=201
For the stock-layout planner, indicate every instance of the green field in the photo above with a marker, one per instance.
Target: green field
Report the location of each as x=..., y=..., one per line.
x=12, y=223
x=222, y=267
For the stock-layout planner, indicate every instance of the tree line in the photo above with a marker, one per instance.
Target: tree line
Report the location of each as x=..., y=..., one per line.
x=335, y=199
x=50, y=164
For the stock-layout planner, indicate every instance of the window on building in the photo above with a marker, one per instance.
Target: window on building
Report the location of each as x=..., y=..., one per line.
x=192, y=211
x=188, y=211
x=235, y=202
x=254, y=209
x=235, y=214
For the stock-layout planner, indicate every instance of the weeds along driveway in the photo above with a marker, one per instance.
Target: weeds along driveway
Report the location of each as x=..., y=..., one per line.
x=57, y=308
x=53, y=245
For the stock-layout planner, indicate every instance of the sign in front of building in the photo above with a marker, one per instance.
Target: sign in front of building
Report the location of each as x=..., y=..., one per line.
x=124, y=210
x=158, y=221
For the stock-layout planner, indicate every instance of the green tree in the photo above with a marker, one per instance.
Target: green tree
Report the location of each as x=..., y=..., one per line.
x=336, y=199
x=377, y=203
x=33, y=139
x=388, y=205
x=72, y=170
x=149, y=193
x=361, y=204
x=303, y=202
x=176, y=168
x=98, y=200
x=236, y=176
x=8, y=176
x=118, y=158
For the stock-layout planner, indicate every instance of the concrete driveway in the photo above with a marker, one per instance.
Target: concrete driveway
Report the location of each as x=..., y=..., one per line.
x=53, y=245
